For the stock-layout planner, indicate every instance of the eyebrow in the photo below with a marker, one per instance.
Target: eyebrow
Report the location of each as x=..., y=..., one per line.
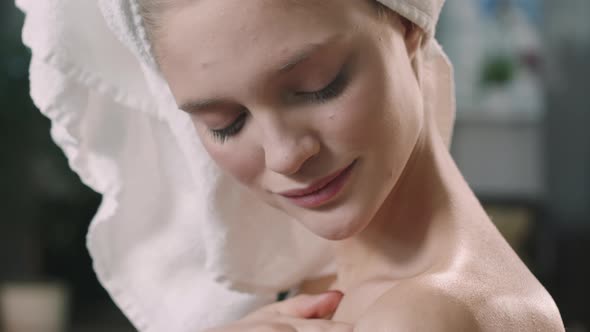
x=199, y=105
x=299, y=57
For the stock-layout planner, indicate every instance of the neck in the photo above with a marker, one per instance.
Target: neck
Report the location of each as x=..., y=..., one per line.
x=413, y=227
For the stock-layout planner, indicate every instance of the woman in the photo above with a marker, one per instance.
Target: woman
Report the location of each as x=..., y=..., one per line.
x=322, y=117
x=337, y=114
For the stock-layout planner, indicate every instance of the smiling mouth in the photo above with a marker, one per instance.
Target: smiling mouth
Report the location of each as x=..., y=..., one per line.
x=321, y=191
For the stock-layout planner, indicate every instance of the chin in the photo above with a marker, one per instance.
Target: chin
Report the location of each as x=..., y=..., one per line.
x=336, y=236
x=334, y=228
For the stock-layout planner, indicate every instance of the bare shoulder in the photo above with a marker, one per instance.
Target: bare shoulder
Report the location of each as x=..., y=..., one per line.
x=520, y=312
x=417, y=305
x=424, y=305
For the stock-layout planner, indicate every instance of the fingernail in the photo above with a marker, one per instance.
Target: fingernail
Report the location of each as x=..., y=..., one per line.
x=335, y=291
x=331, y=293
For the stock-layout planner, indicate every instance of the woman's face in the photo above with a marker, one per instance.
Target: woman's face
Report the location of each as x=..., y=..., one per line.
x=312, y=105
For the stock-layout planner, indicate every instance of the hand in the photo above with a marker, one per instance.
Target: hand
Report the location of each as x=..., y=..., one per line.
x=303, y=313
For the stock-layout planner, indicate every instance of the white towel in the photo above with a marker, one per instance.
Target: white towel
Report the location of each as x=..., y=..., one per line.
x=177, y=244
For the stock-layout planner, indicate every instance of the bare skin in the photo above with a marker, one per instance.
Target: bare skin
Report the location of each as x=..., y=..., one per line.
x=303, y=313
x=414, y=249
x=444, y=268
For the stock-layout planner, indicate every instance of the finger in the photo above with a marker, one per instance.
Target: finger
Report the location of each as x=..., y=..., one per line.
x=317, y=325
x=307, y=306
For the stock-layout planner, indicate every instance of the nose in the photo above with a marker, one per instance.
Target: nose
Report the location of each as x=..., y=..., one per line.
x=287, y=149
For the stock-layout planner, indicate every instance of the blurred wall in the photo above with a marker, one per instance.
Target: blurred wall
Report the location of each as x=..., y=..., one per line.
x=567, y=32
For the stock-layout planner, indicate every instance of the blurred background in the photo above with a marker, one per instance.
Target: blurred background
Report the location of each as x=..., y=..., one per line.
x=522, y=69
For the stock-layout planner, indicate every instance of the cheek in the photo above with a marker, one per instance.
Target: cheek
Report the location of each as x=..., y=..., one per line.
x=363, y=117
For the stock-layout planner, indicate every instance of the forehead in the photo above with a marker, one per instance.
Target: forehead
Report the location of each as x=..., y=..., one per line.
x=205, y=34
x=232, y=26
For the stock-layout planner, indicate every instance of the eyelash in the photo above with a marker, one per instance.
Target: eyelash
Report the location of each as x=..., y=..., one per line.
x=223, y=134
x=331, y=91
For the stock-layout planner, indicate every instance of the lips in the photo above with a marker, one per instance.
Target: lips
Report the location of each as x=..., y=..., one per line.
x=321, y=191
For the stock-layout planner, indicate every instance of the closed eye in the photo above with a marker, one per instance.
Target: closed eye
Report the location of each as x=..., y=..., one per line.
x=233, y=129
x=331, y=91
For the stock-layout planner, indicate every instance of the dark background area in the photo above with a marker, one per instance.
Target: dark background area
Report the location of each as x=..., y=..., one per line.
x=44, y=208
x=530, y=169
